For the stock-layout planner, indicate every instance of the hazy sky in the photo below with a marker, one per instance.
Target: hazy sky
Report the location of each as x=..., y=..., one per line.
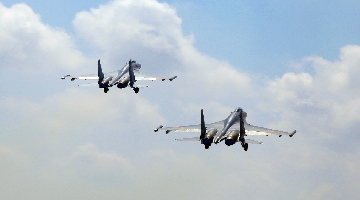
x=288, y=64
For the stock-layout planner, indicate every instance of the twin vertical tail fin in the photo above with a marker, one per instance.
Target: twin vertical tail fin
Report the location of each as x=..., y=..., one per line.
x=131, y=74
x=242, y=125
x=203, y=128
x=242, y=129
x=100, y=73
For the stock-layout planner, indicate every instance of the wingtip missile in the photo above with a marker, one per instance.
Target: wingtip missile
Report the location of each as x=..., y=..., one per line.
x=293, y=133
x=65, y=76
x=157, y=129
x=172, y=78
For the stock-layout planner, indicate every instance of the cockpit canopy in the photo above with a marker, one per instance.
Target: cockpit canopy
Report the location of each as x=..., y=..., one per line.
x=238, y=109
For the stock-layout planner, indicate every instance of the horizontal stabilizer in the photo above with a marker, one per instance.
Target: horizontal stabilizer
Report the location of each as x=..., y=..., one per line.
x=139, y=86
x=252, y=141
x=189, y=139
x=89, y=84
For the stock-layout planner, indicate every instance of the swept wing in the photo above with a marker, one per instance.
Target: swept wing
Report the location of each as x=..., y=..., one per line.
x=189, y=139
x=86, y=77
x=90, y=76
x=256, y=130
x=141, y=77
x=252, y=130
x=198, y=139
x=138, y=77
x=249, y=129
x=193, y=128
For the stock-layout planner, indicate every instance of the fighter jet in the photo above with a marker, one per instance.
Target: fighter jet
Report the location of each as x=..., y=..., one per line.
x=127, y=76
x=232, y=129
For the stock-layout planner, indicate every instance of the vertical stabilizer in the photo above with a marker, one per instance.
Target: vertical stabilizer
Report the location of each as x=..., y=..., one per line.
x=131, y=74
x=242, y=125
x=242, y=128
x=242, y=132
x=100, y=73
x=203, y=128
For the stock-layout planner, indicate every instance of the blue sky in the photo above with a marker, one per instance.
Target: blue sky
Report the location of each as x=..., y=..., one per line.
x=289, y=64
x=279, y=31
x=242, y=31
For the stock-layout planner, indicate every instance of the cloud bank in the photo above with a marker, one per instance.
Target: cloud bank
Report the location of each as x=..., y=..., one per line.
x=78, y=143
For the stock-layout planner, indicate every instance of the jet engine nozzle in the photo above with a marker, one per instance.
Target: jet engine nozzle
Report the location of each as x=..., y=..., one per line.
x=103, y=85
x=123, y=83
x=229, y=142
x=232, y=138
x=209, y=137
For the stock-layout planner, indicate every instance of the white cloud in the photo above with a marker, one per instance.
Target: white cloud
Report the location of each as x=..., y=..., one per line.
x=330, y=97
x=101, y=146
x=146, y=23
x=152, y=32
x=78, y=112
x=87, y=162
x=28, y=44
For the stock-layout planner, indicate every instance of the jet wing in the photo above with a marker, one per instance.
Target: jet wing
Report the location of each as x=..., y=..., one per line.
x=255, y=130
x=192, y=128
x=90, y=76
x=86, y=77
x=189, y=139
x=141, y=77
x=89, y=84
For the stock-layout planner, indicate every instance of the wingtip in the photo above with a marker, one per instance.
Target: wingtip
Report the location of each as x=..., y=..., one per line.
x=172, y=78
x=293, y=133
x=157, y=129
x=65, y=76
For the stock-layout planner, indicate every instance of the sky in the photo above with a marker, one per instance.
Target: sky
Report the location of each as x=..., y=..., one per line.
x=289, y=64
